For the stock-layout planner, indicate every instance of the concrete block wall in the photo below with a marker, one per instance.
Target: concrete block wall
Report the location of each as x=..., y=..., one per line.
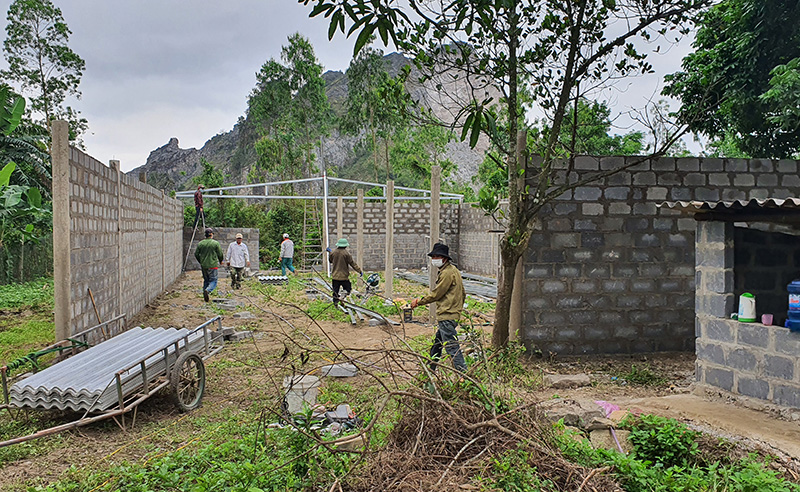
x=478, y=242
x=749, y=359
x=94, y=240
x=609, y=272
x=225, y=236
x=411, y=228
x=124, y=240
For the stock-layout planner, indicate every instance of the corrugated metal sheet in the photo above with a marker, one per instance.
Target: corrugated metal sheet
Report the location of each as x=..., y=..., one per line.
x=86, y=381
x=470, y=287
x=754, y=204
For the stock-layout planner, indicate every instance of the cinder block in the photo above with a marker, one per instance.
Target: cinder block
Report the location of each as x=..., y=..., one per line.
x=742, y=359
x=720, y=378
x=779, y=367
x=753, y=387
x=786, y=394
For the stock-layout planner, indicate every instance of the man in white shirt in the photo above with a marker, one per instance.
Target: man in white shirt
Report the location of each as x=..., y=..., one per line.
x=237, y=257
x=287, y=253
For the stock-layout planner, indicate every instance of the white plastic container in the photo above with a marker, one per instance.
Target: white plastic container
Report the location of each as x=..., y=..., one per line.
x=300, y=391
x=747, y=308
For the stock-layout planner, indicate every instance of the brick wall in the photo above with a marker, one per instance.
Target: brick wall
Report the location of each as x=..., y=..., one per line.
x=749, y=359
x=411, y=228
x=225, y=236
x=124, y=241
x=609, y=272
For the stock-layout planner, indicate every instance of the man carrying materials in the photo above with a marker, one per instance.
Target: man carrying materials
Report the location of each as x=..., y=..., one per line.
x=237, y=257
x=449, y=295
x=287, y=253
x=198, y=205
x=209, y=255
x=341, y=261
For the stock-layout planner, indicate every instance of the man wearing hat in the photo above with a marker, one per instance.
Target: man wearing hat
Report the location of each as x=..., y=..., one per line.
x=449, y=295
x=341, y=261
x=209, y=255
x=198, y=205
x=237, y=257
x=287, y=253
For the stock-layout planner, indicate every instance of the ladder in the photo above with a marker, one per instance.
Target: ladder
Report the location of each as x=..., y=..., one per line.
x=312, y=236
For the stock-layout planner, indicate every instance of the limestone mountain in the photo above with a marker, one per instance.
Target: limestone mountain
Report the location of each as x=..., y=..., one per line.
x=171, y=167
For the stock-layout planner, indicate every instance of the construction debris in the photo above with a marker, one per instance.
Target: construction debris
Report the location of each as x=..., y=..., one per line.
x=342, y=370
x=578, y=413
x=301, y=391
x=561, y=381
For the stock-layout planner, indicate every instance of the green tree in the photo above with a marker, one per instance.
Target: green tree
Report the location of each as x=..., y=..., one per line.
x=589, y=132
x=537, y=53
x=417, y=148
x=218, y=210
x=377, y=104
x=42, y=64
x=290, y=109
x=740, y=85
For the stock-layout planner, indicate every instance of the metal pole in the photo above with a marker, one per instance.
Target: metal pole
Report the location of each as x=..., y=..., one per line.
x=389, y=272
x=326, y=264
x=360, y=229
x=434, y=272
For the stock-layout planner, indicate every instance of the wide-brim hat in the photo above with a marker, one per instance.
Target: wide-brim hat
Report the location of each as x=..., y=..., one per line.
x=209, y=231
x=342, y=243
x=440, y=249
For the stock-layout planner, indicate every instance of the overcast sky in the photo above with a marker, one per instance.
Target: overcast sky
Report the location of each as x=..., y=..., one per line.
x=157, y=69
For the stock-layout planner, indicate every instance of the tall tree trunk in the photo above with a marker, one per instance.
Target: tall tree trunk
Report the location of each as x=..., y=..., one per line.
x=510, y=257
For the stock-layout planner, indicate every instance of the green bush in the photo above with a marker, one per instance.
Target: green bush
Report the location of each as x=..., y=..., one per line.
x=664, y=441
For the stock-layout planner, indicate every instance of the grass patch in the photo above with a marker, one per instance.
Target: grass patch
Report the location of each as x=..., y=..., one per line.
x=21, y=337
x=36, y=294
x=642, y=376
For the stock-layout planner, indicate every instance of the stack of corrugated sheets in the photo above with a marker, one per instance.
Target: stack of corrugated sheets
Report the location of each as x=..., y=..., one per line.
x=86, y=381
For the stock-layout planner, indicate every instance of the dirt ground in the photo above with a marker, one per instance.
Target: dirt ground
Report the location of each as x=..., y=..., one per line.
x=237, y=383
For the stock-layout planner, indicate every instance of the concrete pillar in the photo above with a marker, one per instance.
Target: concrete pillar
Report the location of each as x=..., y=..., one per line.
x=360, y=228
x=389, y=272
x=433, y=273
x=115, y=166
x=339, y=217
x=163, y=243
x=61, y=228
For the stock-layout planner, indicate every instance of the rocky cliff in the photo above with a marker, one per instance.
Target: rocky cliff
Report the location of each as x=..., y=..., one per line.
x=171, y=168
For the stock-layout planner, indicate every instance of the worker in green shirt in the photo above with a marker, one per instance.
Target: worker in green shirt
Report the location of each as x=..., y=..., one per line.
x=209, y=255
x=449, y=295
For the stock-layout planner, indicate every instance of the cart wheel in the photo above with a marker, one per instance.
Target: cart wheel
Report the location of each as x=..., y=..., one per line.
x=187, y=382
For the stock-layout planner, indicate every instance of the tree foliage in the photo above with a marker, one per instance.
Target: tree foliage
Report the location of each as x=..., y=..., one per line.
x=290, y=108
x=377, y=104
x=42, y=65
x=537, y=54
x=740, y=85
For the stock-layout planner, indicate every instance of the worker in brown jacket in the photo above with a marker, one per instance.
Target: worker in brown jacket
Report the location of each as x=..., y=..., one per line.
x=449, y=295
x=341, y=261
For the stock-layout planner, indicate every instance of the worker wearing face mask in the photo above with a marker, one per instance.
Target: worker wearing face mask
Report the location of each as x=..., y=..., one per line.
x=449, y=295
